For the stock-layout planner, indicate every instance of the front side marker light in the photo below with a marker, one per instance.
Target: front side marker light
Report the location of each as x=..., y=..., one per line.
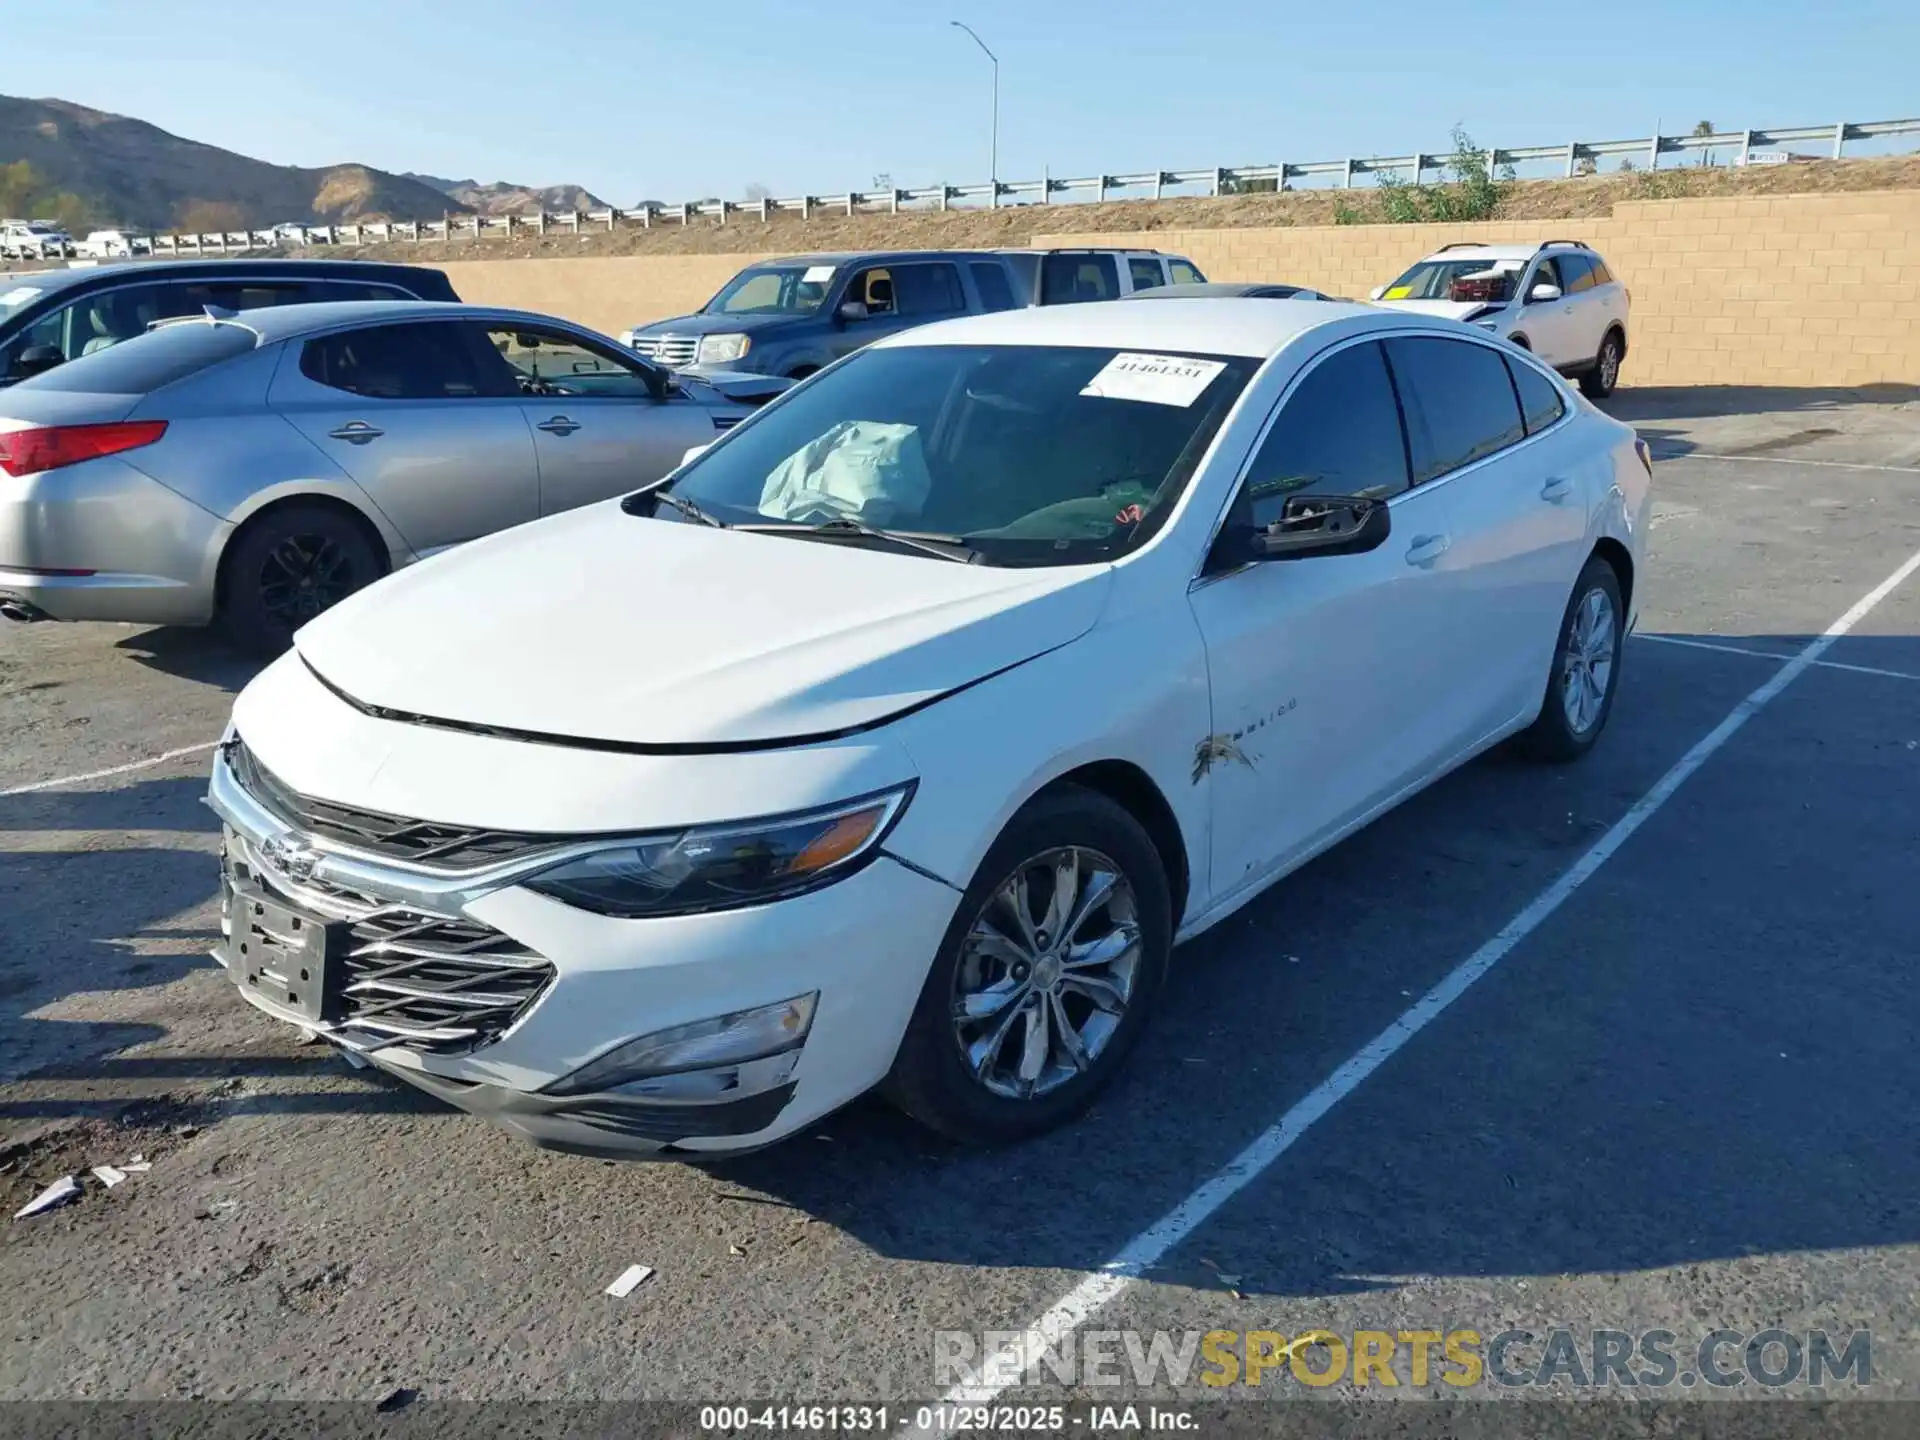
x=736, y=1039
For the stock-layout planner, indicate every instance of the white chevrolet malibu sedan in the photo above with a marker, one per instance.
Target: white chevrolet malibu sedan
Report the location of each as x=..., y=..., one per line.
x=896, y=739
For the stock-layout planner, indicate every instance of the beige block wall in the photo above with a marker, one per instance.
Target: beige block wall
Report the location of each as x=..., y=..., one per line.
x=1803, y=290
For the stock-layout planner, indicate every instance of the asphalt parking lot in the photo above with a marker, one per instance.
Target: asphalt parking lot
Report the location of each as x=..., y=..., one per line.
x=1679, y=1096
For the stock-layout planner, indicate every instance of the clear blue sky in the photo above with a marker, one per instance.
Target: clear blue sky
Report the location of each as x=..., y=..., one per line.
x=648, y=98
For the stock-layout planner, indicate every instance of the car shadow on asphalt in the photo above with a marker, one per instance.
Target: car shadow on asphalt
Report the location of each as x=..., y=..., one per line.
x=171, y=803
x=1636, y=403
x=198, y=655
x=1491, y=1144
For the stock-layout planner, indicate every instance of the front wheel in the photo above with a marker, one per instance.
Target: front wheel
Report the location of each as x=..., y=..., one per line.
x=288, y=566
x=1046, y=977
x=1585, y=670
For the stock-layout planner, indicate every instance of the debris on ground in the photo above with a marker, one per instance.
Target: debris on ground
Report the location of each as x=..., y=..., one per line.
x=108, y=1175
x=356, y=1061
x=630, y=1279
x=735, y=1250
x=396, y=1400
x=61, y=1192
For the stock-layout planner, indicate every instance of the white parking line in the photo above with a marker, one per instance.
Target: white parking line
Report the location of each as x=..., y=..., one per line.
x=1005, y=1368
x=110, y=771
x=1786, y=460
x=1769, y=655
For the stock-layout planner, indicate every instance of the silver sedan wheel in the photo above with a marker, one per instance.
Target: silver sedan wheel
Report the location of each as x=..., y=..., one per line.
x=1046, y=973
x=1589, y=662
x=1610, y=363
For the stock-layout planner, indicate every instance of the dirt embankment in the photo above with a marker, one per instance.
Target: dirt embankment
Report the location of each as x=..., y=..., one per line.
x=1016, y=225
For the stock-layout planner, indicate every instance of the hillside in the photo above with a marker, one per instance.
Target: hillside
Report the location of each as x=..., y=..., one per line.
x=501, y=198
x=1015, y=225
x=89, y=167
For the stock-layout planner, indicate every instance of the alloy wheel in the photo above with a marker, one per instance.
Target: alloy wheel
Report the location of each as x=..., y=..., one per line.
x=304, y=575
x=1609, y=363
x=1046, y=973
x=1588, y=671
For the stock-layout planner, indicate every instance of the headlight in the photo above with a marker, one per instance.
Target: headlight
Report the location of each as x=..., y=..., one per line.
x=718, y=349
x=705, y=1045
x=721, y=867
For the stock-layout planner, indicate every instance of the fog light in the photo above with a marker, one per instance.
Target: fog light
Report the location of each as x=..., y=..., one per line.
x=725, y=1040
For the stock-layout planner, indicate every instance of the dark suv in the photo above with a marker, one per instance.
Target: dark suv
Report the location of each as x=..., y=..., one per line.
x=49, y=317
x=791, y=316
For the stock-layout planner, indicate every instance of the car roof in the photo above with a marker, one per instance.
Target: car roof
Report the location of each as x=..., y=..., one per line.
x=274, y=323
x=1222, y=326
x=1266, y=289
x=50, y=280
x=1474, y=251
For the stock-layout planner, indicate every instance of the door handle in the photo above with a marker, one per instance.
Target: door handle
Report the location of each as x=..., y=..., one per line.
x=558, y=425
x=1556, y=489
x=1426, y=549
x=356, y=432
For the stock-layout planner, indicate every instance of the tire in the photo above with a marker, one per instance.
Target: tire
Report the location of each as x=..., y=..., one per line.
x=260, y=607
x=934, y=1080
x=1520, y=342
x=1567, y=728
x=1598, y=383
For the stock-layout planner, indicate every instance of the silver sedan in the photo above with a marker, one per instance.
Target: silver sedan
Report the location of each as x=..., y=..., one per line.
x=251, y=470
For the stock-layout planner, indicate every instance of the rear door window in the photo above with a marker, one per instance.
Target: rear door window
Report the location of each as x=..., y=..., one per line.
x=330, y=290
x=426, y=360
x=1338, y=434
x=1075, y=279
x=1144, y=272
x=1460, y=404
x=928, y=290
x=991, y=281
x=1601, y=275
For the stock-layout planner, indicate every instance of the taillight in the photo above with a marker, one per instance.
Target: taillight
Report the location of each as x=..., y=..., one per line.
x=28, y=452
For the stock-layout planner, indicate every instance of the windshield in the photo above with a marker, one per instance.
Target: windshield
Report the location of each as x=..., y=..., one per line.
x=774, y=290
x=1032, y=455
x=15, y=298
x=1478, y=279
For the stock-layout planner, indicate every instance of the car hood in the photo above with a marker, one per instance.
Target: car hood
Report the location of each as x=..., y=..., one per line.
x=606, y=628
x=1445, y=309
x=720, y=324
x=738, y=386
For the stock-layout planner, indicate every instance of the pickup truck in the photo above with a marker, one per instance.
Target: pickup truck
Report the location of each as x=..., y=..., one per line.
x=791, y=316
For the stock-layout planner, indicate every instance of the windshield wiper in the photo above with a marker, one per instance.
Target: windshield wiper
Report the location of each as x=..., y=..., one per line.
x=941, y=547
x=685, y=507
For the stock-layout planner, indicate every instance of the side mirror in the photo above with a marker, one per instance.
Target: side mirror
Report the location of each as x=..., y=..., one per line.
x=852, y=310
x=1542, y=293
x=1376, y=292
x=37, y=360
x=1312, y=525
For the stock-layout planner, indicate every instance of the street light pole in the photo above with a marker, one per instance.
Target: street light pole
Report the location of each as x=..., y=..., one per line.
x=993, y=154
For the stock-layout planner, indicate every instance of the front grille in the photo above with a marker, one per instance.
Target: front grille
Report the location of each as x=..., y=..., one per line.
x=427, y=982
x=393, y=837
x=676, y=352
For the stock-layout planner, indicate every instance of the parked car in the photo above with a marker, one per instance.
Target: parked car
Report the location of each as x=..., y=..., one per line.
x=1024, y=645
x=34, y=240
x=1072, y=275
x=1229, y=290
x=793, y=316
x=1557, y=299
x=253, y=470
x=54, y=316
x=106, y=245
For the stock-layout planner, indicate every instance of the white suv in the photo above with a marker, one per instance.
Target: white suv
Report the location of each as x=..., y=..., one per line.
x=1557, y=299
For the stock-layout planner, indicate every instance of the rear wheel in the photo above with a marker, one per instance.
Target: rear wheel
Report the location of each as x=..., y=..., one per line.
x=1046, y=977
x=1598, y=383
x=288, y=566
x=1585, y=670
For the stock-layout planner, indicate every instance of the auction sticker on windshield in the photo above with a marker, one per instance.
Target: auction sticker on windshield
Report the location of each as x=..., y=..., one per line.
x=1156, y=379
x=817, y=275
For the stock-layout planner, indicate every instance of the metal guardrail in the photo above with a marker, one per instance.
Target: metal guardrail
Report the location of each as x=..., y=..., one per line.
x=1216, y=180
